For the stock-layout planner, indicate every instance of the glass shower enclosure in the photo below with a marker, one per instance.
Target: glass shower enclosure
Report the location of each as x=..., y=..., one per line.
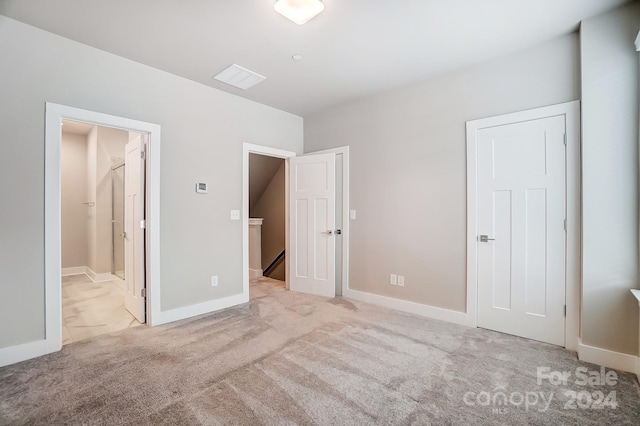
x=117, y=221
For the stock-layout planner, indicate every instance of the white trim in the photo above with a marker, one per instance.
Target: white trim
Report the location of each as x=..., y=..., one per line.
x=432, y=312
x=611, y=359
x=346, y=225
x=571, y=111
x=248, y=148
x=75, y=270
x=29, y=350
x=98, y=278
x=208, y=307
x=54, y=114
x=119, y=282
x=255, y=273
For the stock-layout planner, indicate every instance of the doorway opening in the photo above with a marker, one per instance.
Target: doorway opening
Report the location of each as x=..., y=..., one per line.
x=323, y=244
x=144, y=231
x=267, y=220
x=94, y=241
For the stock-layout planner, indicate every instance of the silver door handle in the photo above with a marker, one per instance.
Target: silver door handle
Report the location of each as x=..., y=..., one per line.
x=124, y=235
x=328, y=232
x=485, y=239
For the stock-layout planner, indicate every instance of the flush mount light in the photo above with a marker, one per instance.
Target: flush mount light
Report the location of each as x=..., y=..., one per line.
x=299, y=11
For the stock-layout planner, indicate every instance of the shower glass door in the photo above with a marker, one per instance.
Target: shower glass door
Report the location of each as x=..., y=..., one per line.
x=117, y=187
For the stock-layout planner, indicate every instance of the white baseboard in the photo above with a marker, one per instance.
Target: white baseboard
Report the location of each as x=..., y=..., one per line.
x=118, y=281
x=98, y=278
x=95, y=277
x=607, y=358
x=428, y=311
x=255, y=273
x=25, y=351
x=177, y=314
x=76, y=270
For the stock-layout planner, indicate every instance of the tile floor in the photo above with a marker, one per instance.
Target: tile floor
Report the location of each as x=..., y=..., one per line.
x=90, y=309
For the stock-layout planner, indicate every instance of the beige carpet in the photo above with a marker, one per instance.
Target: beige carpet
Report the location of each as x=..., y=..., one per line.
x=289, y=358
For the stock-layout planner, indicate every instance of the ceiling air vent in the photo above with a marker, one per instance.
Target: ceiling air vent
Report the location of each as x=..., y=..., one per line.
x=239, y=77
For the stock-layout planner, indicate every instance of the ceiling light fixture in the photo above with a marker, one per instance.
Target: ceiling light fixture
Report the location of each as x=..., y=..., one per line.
x=299, y=11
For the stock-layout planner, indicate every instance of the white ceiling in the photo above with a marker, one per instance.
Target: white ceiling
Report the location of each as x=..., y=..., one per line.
x=353, y=49
x=76, y=127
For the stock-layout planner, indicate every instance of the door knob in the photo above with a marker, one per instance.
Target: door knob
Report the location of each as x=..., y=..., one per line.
x=485, y=239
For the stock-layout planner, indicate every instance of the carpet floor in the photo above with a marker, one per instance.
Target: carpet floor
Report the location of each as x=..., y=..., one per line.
x=290, y=358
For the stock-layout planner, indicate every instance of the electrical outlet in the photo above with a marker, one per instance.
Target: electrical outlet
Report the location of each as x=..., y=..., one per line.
x=393, y=279
x=235, y=215
x=400, y=280
x=214, y=281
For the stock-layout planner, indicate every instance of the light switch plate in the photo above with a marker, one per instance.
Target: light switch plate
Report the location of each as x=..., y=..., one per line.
x=235, y=214
x=352, y=214
x=393, y=279
x=400, y=280
x=214, y=281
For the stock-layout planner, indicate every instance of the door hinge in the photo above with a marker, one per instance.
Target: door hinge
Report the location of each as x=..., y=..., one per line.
x=565, y=138
x=565, y=310
x=143, y=224
x=143, y=155
x=565, y=225
x=143, y=292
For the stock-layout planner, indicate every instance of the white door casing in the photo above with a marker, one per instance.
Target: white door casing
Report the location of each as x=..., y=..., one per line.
x=312, y=224
x=521, y=210
x=133, y=225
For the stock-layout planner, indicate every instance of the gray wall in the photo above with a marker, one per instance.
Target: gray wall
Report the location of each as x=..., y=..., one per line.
x=408, y=166
x=271, y=207
x=202, y=134
x=73, y=164
x=609, y=179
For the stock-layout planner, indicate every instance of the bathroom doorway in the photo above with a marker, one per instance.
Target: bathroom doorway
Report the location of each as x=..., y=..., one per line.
x=93, y=230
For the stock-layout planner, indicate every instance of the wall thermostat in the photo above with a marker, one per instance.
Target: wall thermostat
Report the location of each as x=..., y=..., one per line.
x=201, y=188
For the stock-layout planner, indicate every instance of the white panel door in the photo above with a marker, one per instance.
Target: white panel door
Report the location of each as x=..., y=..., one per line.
x=134, y=233
x=521, y=211
x=312, y=224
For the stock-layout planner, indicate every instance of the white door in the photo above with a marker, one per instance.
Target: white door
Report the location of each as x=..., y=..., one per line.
x=521, y=228
x=134, y=232
x=312, y=224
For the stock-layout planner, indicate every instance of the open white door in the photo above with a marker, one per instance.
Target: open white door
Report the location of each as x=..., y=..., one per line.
x=312, y=224
x=134, y=228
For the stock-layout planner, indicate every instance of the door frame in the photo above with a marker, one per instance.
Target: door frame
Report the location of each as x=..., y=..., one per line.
x=571, y=113
x=55, y=113
x=248, y=148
